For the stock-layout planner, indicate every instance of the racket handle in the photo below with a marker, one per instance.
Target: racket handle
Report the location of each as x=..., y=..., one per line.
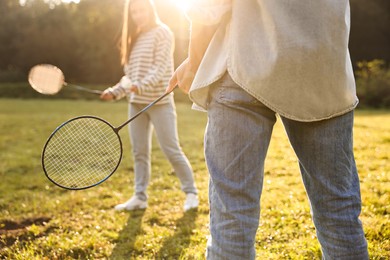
x=144, y=109
x=92, y=91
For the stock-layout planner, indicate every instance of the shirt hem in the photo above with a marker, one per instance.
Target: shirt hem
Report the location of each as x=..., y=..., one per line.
x=203, y=107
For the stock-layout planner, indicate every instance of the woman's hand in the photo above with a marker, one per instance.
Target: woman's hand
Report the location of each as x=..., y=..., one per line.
x=107, y=95
x=134, y=89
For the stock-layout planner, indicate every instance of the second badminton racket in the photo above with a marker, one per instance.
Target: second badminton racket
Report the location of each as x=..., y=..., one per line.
x=48, y=79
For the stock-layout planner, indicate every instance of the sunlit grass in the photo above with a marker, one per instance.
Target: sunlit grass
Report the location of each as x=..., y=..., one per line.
x=41, y=221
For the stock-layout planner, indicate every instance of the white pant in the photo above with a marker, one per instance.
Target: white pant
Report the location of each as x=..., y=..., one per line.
x=161, y=117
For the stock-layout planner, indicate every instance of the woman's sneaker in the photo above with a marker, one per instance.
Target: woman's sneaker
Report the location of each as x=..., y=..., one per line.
x=132, y=204
x=191, y=202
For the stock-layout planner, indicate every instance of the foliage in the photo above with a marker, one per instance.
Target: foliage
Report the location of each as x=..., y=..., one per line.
x=373, y=83
x=369, y=37
x=78, y=38
x=41, y=221
x=81, y=39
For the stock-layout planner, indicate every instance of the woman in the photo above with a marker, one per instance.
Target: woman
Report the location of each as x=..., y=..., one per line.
x=147, y=57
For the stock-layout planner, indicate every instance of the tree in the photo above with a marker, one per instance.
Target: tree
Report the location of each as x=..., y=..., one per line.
x=82, y=38
x=370, y=35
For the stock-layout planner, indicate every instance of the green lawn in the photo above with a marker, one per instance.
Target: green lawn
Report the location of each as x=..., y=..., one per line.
x=39, y=220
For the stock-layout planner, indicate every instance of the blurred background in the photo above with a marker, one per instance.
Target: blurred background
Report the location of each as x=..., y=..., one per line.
x=81, y=38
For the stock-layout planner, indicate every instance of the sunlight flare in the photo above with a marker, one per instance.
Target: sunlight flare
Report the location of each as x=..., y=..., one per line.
x=183, y=5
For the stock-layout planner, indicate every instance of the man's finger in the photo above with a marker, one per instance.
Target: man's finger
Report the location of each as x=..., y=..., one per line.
x=172, y=83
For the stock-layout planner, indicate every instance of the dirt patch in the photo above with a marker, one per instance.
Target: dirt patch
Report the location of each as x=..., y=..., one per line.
x=13, y=225
x=11, y=231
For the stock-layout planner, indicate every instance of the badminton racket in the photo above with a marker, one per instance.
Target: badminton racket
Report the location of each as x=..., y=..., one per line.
x=84, y=151
x=49, y=80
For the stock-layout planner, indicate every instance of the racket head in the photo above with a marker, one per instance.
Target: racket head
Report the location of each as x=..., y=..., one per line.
x=82, y=153
x=46, y=79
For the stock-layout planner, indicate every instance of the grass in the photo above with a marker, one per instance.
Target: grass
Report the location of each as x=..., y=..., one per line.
x=41, y=221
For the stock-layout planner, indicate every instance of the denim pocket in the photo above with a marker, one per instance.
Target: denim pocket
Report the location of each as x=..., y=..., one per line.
x=229, y=92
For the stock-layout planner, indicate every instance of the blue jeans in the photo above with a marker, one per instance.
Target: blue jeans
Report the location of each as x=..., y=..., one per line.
x=236, y=142
x=161, y=118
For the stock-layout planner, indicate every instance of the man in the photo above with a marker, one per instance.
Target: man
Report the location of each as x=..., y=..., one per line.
x=248, y=61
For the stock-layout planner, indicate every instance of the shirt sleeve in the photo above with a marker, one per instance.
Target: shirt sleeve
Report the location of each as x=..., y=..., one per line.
x=208, y=12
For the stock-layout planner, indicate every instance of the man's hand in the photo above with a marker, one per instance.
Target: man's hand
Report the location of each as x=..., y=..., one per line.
x=182, y=77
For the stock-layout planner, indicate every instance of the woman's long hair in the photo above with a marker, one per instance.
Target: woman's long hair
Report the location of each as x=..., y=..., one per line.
x=130, y=31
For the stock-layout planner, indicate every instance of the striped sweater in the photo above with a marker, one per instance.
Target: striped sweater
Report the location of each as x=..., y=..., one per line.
x=150, y=66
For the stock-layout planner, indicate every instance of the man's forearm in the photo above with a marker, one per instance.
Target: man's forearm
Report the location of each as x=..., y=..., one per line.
x=200, y=39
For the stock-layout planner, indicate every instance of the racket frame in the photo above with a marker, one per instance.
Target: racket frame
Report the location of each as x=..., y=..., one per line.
x=63, y=82
x=116, y=131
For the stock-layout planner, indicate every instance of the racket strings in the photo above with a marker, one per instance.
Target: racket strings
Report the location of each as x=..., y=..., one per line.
x=82, y=153
x=46, y=79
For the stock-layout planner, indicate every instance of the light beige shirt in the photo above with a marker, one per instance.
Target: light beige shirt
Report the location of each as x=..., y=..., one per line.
x=292, y=55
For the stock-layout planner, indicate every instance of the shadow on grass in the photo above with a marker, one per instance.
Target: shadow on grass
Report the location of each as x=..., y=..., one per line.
x=12, y=231
x=124, y=247
x=174, y=245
